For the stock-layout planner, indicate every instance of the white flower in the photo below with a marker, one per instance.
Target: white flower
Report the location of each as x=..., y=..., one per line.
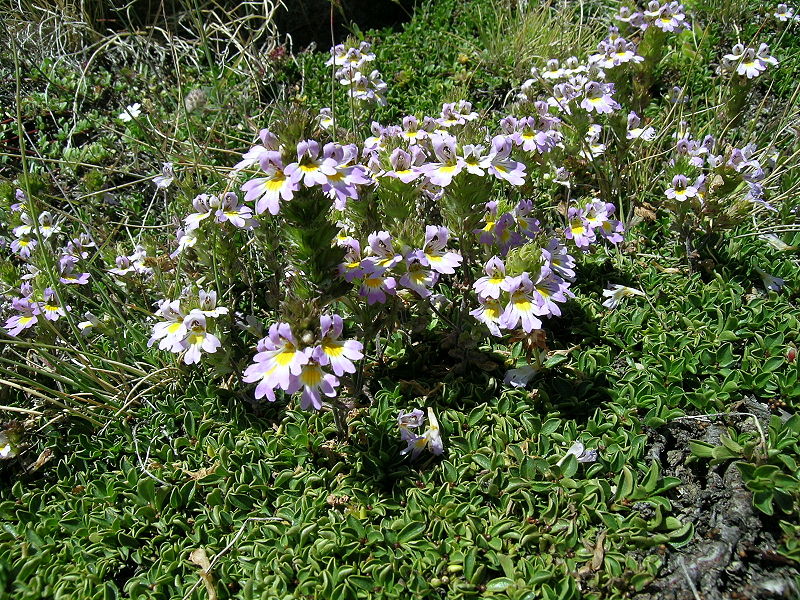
x=131, y=112
x=164, y=180
x=520, y=377
x=582, y=455
x=6, y=449
x=617, y=292
x=435, y=444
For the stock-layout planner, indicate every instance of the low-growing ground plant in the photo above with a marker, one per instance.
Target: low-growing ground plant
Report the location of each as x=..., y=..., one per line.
x=354, y=324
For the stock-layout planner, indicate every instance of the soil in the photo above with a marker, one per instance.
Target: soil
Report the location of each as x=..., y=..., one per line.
x=733, y=555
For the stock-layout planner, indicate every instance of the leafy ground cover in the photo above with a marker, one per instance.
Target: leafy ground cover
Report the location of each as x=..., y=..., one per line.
x=129, y=472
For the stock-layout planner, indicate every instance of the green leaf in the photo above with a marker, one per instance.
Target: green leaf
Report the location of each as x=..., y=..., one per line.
x=762, y=500
x=469, y=562
x=701, y=449
x=499, y=584
x=550, y=426
x=507, y=564
x=410, y=531
x=476, y=415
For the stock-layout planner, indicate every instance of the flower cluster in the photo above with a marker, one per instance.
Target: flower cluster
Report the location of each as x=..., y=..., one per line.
x=381, y=269
x=434, y=154
x=27, y=233
x=29, y=309
x=352, y=61
x=166, y=178
x=294, y=363
x=586, y=223
x=187, y=332
x=729, y=168
x=431, y=438
x=529, y=296
x=580, y=86
x=335, y=171
x=668, y=17
x=39, y=294
x=748, y=62
x=134, y=264
x=614, y=51
x=226, y=209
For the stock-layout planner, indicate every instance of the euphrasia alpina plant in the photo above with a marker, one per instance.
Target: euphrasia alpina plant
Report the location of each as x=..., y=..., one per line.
x=327, y=234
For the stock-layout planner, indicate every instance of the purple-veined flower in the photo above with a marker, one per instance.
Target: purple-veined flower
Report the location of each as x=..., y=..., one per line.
x=47, y=226
x=352, y=267
x=406, y=421
x=500, y=164
x=91, y=322
x=670, y=18
x=376, y=285
x=450, y=116
x=553, y=70
x=597, y=97
x=278, y=360
x=19, y=200
x=325, y=118
x=430, y=439
x=473, y=159
x=66, y=267
x=208, y=304
x=185, y=239
x=636, y=132
x=166, y=178
x=527, y=225
x=170, y=332
x=750, y=65
x=382, y=253
x=490, y=286
x=412, y=132
x=332, y=351
x=269, y=146
x=489, y=313
x=680, y=190
x=522, y=307
x=581, y=454
x=197, y=339
x=204, y=206
x=436, y=256
x=418, y=277
x=314, y=382
x=51, y=308
x=783, y=13
x=231, y=211
x=556, y=256
x=578, y=229
x=548, y=290
x=267, y=192
x=23, y=246
x=442, y=173
x=404, y=164
x=313, y=169
x=531, y=138
x=25, y=227
x=341, y=185
x=27, y=318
